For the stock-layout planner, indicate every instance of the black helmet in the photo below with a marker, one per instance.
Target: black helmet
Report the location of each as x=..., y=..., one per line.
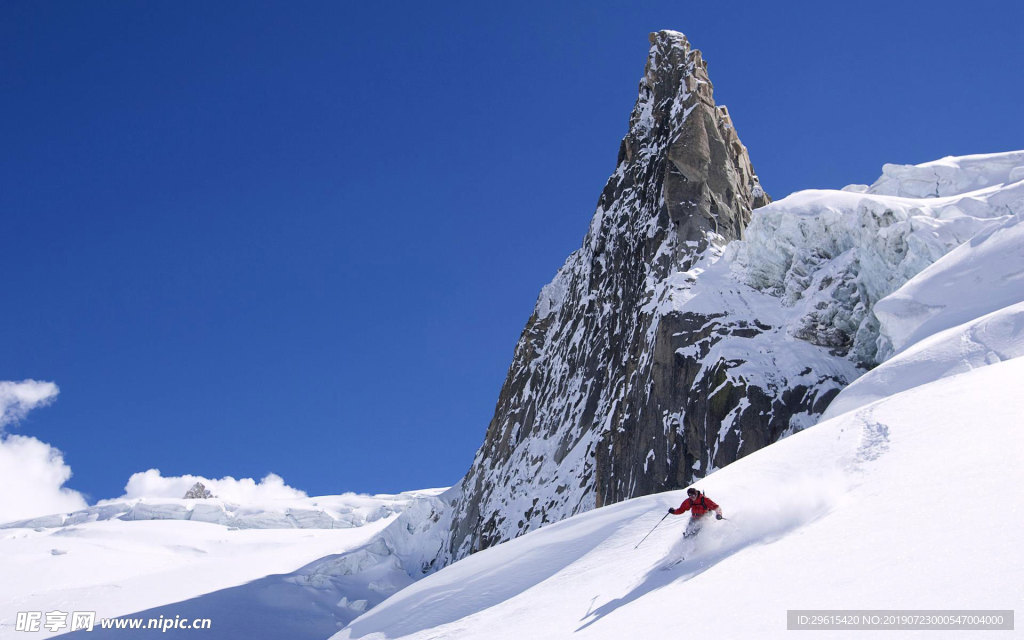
x=692, y=491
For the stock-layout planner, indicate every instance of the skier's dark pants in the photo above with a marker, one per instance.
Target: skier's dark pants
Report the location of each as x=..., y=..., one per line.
x=693, y=527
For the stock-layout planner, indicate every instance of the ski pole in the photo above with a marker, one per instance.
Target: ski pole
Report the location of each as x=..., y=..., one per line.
x=651, y=531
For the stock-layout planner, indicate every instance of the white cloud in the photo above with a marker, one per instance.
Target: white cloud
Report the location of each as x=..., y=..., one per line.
x=32, y=473
x=151, y=484
x=18, y=398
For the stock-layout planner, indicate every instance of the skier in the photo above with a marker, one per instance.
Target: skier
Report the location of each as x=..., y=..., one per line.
x=699, y=505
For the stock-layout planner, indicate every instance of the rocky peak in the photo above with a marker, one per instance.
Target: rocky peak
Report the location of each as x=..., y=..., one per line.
x=675, y=78
x=593, y=373
x=709, y=184
x=198, y=492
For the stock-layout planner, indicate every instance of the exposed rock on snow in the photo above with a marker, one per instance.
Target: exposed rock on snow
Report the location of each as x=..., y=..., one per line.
x=197, y=492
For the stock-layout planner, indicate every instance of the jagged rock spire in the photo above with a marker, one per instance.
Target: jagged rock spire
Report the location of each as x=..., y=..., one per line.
x=593, y=372
x=707, y=180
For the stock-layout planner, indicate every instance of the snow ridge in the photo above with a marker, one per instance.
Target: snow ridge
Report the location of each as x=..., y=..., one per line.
x=324, y=512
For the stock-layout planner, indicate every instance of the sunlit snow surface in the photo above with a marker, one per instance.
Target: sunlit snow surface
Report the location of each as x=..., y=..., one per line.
x=833, y=256
x=186, y=557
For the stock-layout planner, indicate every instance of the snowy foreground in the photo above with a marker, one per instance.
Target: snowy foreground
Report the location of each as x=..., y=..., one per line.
x=194, y=558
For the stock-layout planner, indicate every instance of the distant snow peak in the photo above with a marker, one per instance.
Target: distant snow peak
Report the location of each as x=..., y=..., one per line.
x=198, y=492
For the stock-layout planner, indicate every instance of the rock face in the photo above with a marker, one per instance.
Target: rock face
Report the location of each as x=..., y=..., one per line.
x=198, y=492
x=610, y=393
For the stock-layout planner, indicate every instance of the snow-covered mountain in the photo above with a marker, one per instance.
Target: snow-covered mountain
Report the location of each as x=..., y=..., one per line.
x=686, y=334
x=679, y=338
x=904, y=497
x=946, y=277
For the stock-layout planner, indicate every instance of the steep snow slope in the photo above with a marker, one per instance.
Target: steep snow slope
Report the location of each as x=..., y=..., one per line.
x=911, y=502
x=983, y=275
x=992, y=338
x=969, y=308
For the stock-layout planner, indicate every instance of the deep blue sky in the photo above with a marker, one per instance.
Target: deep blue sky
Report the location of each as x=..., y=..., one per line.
x=304, y=237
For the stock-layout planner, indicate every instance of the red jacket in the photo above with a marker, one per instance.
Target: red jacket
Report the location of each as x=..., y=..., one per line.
x=698, y=507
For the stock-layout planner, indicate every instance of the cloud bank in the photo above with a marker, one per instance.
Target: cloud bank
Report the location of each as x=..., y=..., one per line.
x=32, y=473
x=152, y=484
